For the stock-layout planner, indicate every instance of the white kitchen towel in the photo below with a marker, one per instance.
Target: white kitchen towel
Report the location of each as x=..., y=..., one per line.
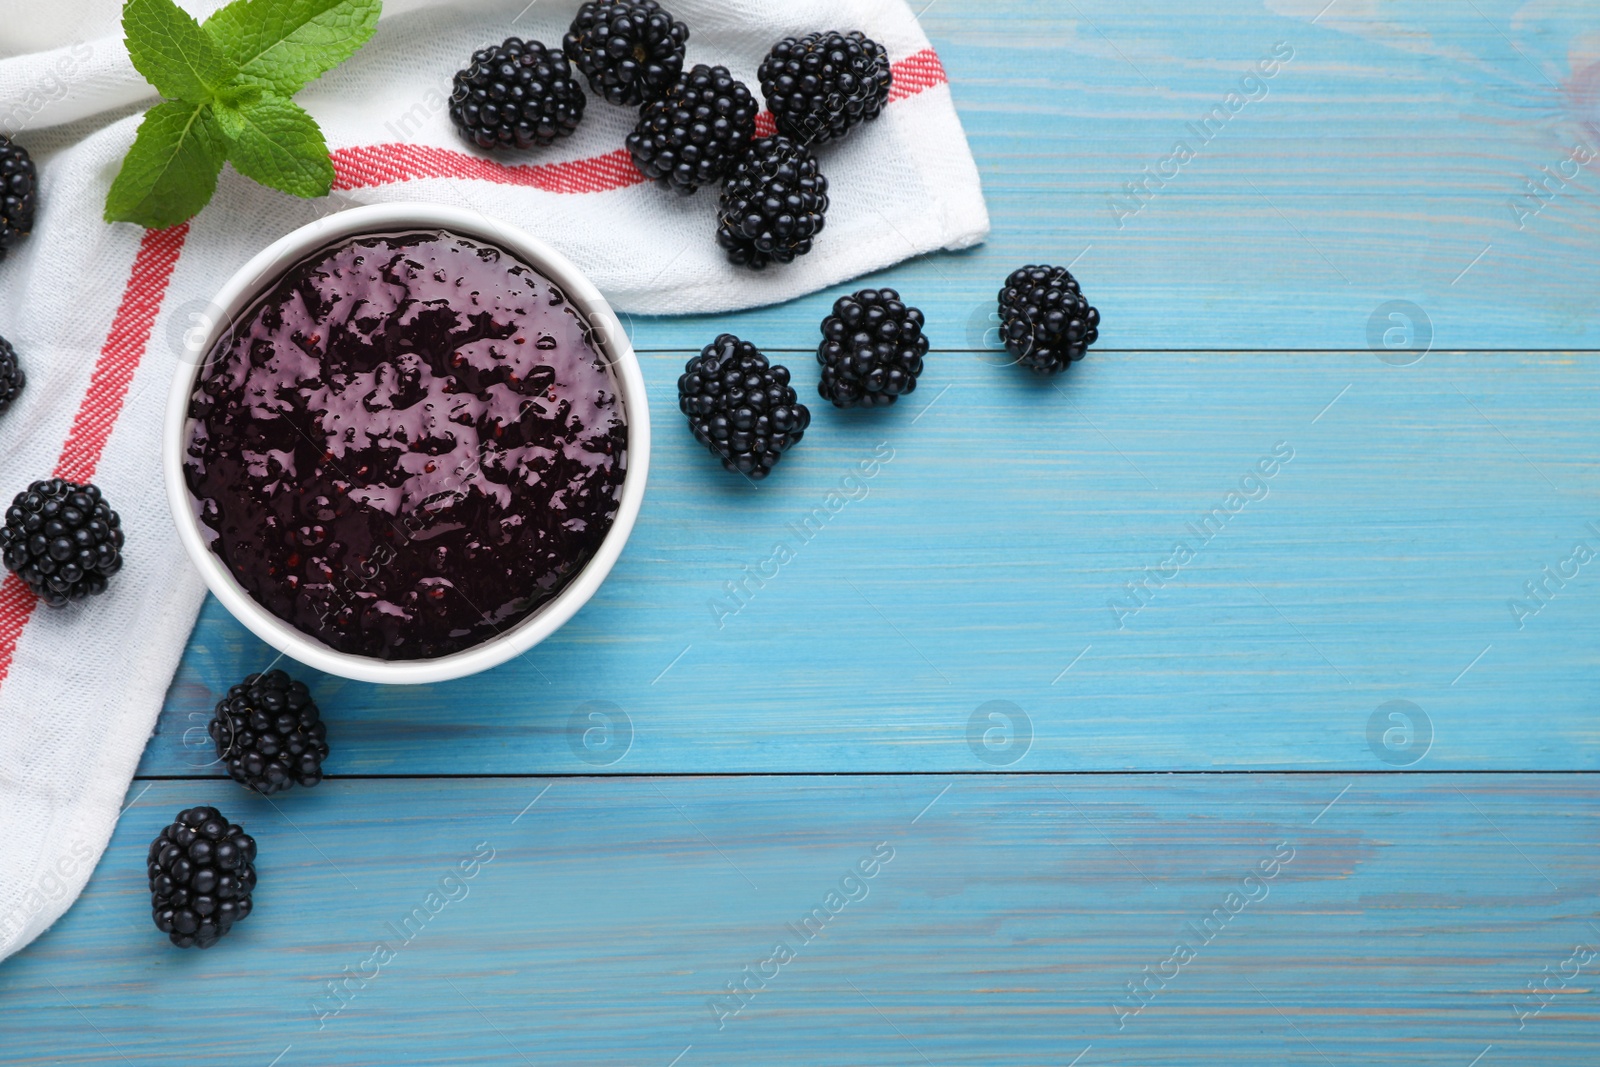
x=97, y=313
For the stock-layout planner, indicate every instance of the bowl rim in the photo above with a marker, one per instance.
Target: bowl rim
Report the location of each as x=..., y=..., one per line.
x=261, y=270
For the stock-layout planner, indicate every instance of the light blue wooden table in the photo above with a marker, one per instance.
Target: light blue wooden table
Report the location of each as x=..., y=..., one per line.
x=1070, y=808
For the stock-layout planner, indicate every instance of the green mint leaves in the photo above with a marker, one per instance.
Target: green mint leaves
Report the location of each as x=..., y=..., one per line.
x=228, y=85
x=172, y=52
x=281, y=45
x=277, y=144
x=171, y=171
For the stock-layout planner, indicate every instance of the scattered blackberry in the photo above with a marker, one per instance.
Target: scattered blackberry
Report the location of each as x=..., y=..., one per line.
x=631, y=51
x=822, y=85
x=62, y=540
x=516, y=94
x=871, y=351
x=741, y=408
x=269, y=734
x=773, y=204
x=19, y=185
x=201, y=872
x=697, y=132
x=1044, y=320
x=11, y=377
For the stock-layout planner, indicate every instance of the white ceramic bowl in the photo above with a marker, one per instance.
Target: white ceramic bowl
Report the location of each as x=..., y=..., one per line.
x=251, y=279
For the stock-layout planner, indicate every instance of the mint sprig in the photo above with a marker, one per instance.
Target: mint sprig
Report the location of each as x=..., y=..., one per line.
x=227, y=86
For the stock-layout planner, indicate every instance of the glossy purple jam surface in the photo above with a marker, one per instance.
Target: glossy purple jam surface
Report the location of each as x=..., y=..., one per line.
x=406, y=445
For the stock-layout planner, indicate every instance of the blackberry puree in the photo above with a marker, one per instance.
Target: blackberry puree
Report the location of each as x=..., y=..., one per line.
x=407, y=445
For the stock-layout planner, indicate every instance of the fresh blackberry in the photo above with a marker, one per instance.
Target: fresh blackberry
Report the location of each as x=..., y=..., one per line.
x=202, y=870
x=516, y=94
x=773, y=204
x=871, y=351
x=1044, y=320
x=19, y=186
x=269, y=733
x=631, y=51
x=697, y=132
x=822, y=85
x=740, y=407
x=11, y=377
x=62, y=540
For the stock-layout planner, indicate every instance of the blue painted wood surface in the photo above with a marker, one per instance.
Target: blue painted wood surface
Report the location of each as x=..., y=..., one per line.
x=1401, y=925
x=1391, y=153
x=1377, y=567
x=1354, y=619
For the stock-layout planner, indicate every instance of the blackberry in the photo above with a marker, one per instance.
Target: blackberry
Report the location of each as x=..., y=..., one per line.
x=516, y=94
x=62, y=540
x=696, y=133
x=11, y=377
x=773, y=204
x=822, y=85
x=19, y=186
x=1044, y=319
x=631, y=51
x=269, y=733
x=740, y=407
x=202, y=870
x=871, y=351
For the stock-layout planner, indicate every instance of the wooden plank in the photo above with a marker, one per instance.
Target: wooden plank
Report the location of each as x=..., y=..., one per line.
x=1389, y=157
x=1405, y=916
x=978, y=564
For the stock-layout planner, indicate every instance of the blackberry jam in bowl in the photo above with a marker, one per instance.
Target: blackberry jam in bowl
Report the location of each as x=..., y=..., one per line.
x=411, y=445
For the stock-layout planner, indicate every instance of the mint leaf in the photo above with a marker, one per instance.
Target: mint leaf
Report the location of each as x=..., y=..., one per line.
x=173, y=53
x=171, y=170
x=273, y=141
x=283, y=44
x=229, y=121
x=229, y=102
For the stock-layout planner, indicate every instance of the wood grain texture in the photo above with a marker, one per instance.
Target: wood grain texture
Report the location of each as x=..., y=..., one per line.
x=1384, y=159
x=981, y=558
x=1410, y=914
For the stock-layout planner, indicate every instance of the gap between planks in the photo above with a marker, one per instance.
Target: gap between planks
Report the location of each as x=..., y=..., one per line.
x=538, y=776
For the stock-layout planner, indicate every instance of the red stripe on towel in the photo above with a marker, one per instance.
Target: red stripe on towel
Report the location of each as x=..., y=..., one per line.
x=102, y=404
x=386, y=164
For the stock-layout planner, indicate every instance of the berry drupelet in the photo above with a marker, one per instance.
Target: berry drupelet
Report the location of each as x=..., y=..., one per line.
x=19, y=186
x=695, y=134
x=516, y=94
x=631, y=51
x=62, y=540
x=822, y=85
x=269, y=733
x=872, y=349
x=11, y=377
x=740, y=407
x=774, y=203
x=202, y=871
x=1044, y=320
